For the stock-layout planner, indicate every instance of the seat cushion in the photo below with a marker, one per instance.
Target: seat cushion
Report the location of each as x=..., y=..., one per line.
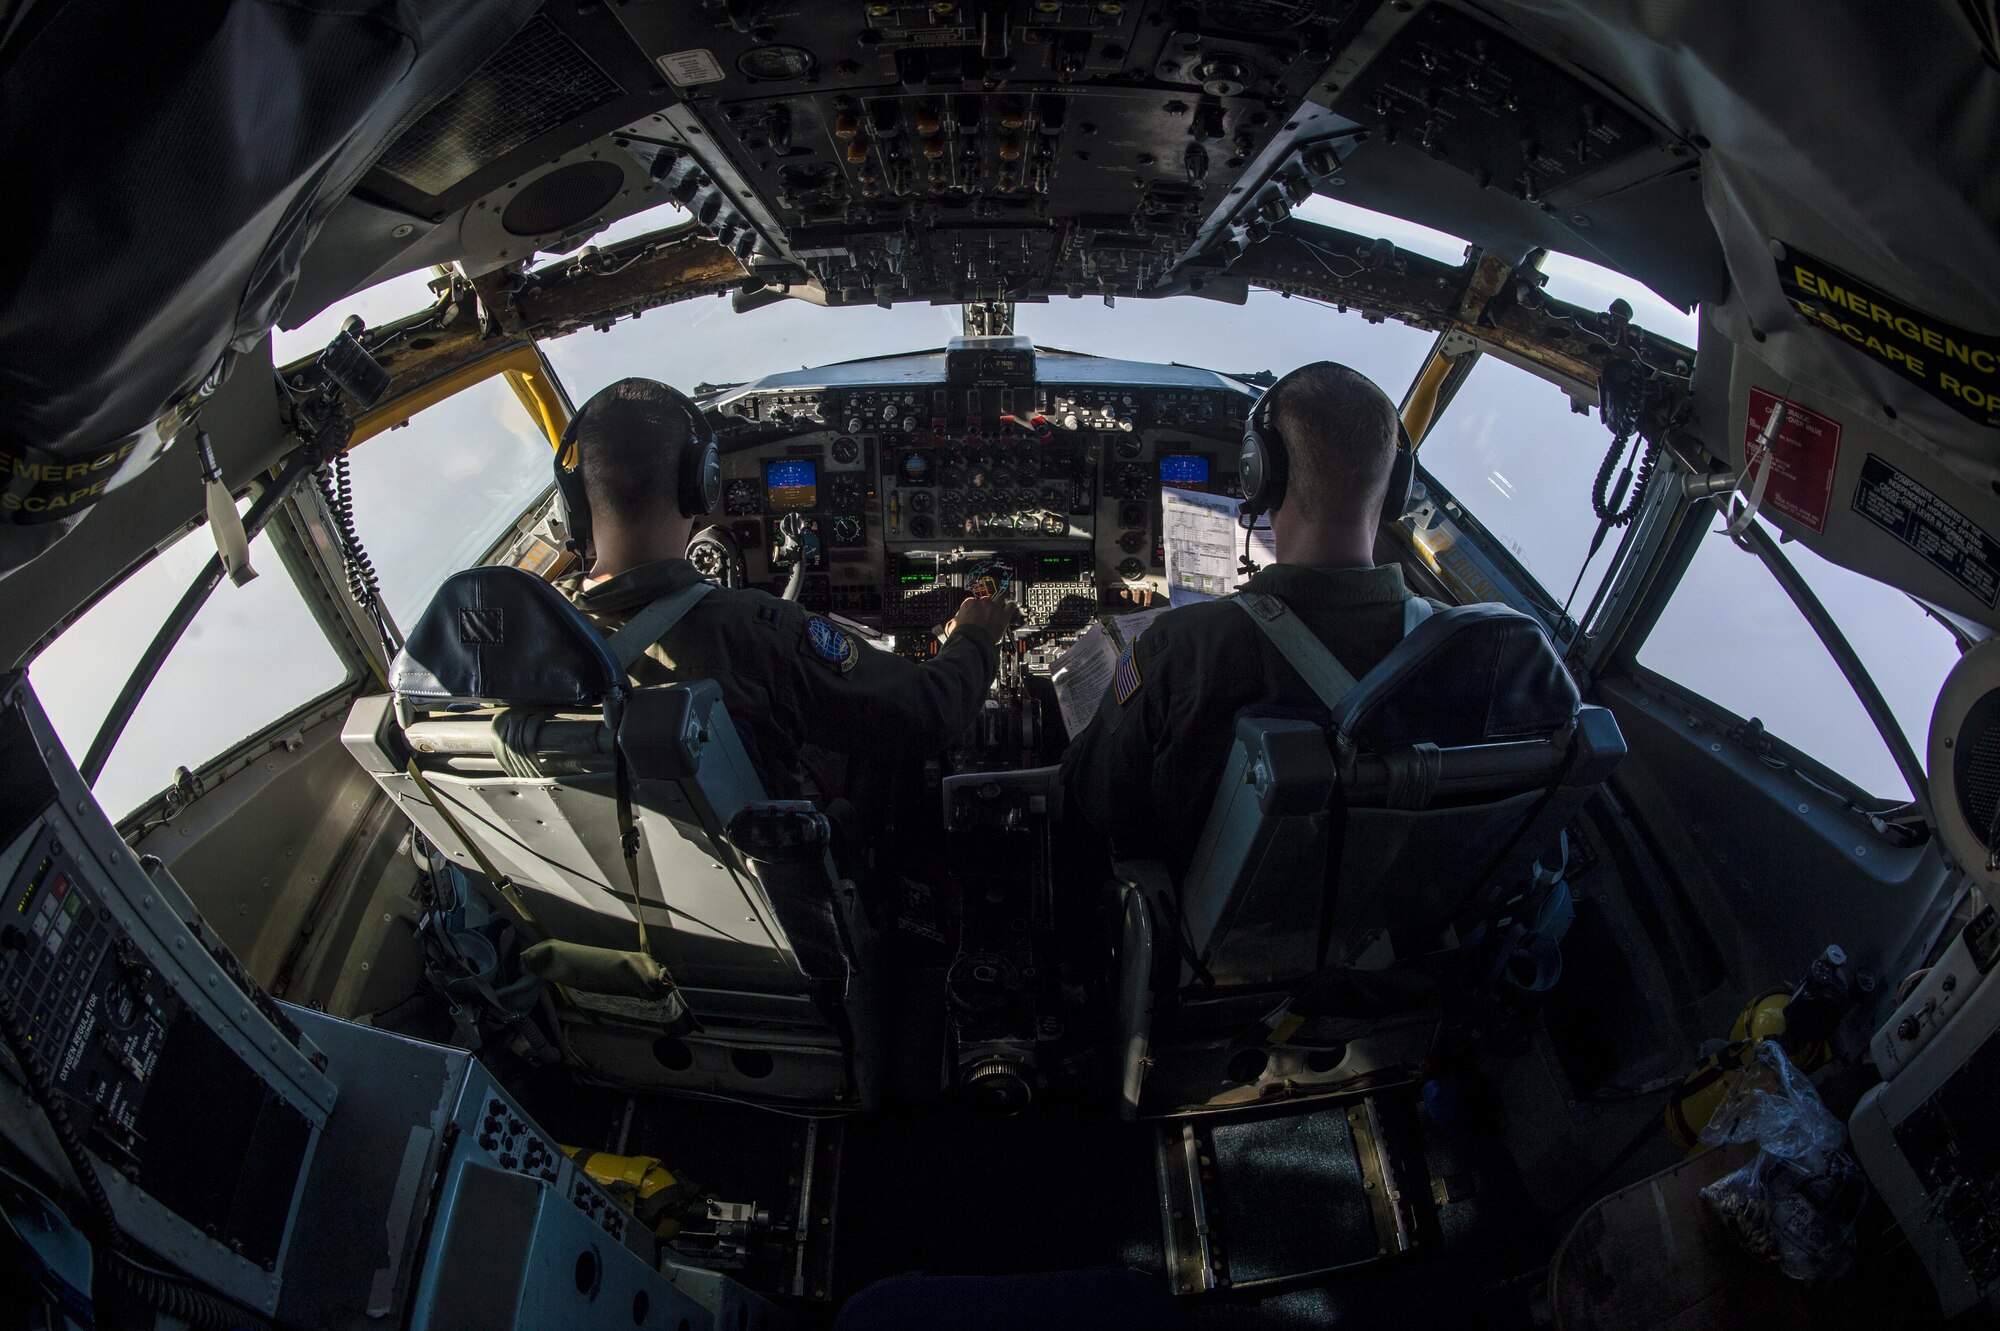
x=500, y=635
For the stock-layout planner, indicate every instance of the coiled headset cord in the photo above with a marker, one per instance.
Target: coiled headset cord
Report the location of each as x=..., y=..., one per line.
x=1620, y=401
x=336, y=482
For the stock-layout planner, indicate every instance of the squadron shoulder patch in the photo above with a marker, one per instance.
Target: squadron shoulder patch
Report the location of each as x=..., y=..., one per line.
x=832, y=646
x=1125, y=679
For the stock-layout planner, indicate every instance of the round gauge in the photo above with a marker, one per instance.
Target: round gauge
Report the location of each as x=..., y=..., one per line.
x=1026, y=499
x=916, y=468
x=920, y=527
x=121, y=1007
x=1130, y=542
x=951, y=476
x=1053, y=524
x=1127, y=447
x=920, y=502
x=742, y=497
x=845, y=450
x=846, y=530
x=951, y=522
x=1131, y=481
x=1131, y=570
x=979, y=460
x=951, y=499
x=847, y=492
x=1002, y=477
x=776, y=62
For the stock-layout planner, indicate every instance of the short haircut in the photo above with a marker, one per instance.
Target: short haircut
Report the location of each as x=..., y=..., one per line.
x=1340, y=441
x=629, y=446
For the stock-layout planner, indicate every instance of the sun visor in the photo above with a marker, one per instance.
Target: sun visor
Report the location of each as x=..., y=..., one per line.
x=138, y=259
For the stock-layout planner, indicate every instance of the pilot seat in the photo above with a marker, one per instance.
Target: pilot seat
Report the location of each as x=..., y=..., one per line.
x=509, y=709
x=1339, y=861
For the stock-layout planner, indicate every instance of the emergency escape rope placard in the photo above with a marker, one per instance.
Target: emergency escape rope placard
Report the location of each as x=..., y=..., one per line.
x=1801, y=460
x=1958, y=368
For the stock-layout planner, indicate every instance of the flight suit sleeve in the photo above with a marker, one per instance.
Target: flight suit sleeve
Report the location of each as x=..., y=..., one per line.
x=1108, y=769
x=854, y=696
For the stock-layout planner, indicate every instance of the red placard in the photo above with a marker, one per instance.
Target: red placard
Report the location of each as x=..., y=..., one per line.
x=1802, y=459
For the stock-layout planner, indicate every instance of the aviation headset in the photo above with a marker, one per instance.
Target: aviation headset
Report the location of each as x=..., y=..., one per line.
x=699, y=484
x=1265, y=464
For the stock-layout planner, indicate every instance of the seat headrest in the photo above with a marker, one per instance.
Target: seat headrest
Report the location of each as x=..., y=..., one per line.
x=500, y=635
x=1467, y=675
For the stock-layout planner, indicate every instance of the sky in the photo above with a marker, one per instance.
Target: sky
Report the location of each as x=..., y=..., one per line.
x=431, y=496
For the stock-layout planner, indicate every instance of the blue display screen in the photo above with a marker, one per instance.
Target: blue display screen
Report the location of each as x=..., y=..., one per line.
x=1185, y=471
x=791, y=483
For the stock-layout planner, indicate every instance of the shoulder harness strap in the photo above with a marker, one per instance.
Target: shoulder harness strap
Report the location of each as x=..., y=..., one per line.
x=1309, y=656
x=653, y=623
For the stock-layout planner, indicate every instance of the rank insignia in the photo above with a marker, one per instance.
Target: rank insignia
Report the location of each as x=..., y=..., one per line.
x=832, y=646
x=1125, y=679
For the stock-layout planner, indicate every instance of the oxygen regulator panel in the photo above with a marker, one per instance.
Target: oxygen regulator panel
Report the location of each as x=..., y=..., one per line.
x=199, y=1101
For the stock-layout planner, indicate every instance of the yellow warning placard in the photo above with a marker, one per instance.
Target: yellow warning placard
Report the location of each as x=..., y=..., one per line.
x=1957, y=367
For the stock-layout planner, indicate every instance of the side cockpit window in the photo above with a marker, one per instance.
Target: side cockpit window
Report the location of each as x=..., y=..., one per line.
x=252, y=655
x=1729, y=634
x=433, y=495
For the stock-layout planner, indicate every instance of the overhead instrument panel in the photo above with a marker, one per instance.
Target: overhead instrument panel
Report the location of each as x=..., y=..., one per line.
x=966, y=150
x=913, y=479
x=1465, y=95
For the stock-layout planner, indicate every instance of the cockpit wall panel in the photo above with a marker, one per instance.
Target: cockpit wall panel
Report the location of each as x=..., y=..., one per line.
x=249, y=434
x=1845, y=161
x=1855, y=481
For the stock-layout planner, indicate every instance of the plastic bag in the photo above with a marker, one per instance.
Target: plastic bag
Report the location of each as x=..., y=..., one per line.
x=1796, y=1203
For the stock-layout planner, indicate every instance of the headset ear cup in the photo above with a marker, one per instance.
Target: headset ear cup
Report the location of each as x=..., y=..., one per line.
x=1402, y=477
x=572, y=504
x=701, y=467
x=702, y=489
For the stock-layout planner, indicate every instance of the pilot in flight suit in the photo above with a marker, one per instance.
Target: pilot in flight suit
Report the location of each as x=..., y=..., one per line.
x=791, y=679
x=1145, y=770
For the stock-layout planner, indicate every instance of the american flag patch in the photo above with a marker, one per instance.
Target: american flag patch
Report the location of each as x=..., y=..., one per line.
x=1125, y=680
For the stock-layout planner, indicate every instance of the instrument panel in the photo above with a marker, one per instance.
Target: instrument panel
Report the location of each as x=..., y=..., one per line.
x=900, y=484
